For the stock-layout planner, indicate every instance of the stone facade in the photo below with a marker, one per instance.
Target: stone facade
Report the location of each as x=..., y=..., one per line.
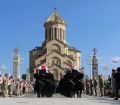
x=94, y=65
x=54, y=53
x=16, y=64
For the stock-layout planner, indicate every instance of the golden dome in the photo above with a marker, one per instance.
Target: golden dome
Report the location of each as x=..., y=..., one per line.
x=55, y=18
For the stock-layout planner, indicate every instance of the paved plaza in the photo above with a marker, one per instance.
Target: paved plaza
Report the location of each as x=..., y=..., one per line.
x=58, y=100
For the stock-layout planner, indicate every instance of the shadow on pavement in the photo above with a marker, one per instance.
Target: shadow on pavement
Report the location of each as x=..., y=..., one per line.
x=106, y=100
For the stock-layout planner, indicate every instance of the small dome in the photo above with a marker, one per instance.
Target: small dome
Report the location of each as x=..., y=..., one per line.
x=55, y=18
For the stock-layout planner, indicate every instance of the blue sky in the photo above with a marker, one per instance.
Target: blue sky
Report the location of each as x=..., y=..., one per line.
x=90, y=23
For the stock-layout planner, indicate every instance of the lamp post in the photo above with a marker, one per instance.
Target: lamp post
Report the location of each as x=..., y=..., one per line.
x=106, y=68
x=28, y=75
x=3, y=70
x=89, y=62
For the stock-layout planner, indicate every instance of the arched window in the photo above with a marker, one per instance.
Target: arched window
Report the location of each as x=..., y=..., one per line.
x=63, y=35
x=56, y=47
x=60, y=33
x=56, y=61
x=55, y=33
x=49, y=33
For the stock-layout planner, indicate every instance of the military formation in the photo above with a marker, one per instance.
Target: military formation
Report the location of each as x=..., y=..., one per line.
x=10, y=87
x=69, y=85
x=104, y=86
x=72, y=84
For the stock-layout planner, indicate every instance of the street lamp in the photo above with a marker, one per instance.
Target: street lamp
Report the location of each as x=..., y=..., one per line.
x=106, y=68
x=89, y=62
x=3, y=70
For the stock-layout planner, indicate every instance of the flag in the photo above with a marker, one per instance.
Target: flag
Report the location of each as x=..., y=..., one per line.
x=115, y=60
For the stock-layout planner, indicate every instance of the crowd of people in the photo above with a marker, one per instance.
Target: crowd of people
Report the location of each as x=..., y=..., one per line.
x=10, y=87
x=70, y=84
x=102, y=86
x=95, y=87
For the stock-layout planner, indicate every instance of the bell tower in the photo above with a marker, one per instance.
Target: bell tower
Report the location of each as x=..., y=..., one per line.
x=55, y=28
x=16, y=64
x=94, y=65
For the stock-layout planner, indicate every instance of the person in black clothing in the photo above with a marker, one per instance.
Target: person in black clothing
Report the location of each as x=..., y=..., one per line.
x=95, y=83
x=117, y=80
x=44, y=84
x=36, y=76
x=113, y=88
x=71, y=83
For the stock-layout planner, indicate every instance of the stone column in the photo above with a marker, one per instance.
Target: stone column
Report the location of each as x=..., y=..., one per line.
x=59, y=34
x=63, y=36
x=53, y=33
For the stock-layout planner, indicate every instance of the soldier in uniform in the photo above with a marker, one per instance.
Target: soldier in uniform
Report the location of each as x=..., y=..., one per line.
x=44, y=82
x=117, y=80
x=1, y=81
x=4, y=87
x=36, y=76
x=18, y=87
x=91, y=87
x=37, y=86
x=66, y=84
x=50, y=88
x=71, y=83
x=101, y=85
x=79, y=84
x=87, y=85
x=95, y=86
x=113, y=89
x=10, y=86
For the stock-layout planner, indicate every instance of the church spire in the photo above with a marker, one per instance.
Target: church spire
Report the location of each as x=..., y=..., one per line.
x=95, y=51
x=55, y=18
x=55, y=9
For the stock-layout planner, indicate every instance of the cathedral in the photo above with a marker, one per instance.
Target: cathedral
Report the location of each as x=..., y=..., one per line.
x=54, y=52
